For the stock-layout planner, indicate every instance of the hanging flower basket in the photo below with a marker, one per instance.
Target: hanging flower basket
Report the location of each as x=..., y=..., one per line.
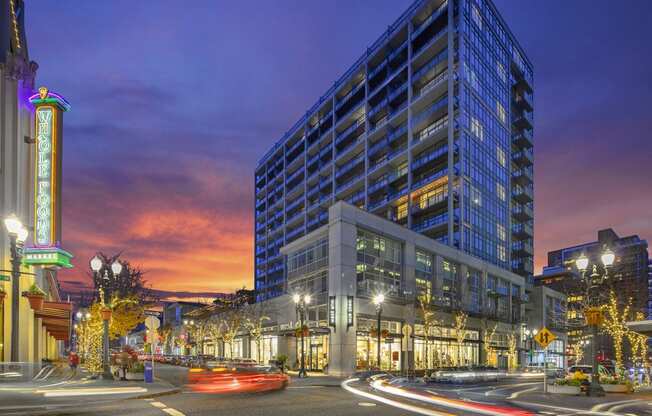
x=306, y=331
x=106, y=314
x=35, y=296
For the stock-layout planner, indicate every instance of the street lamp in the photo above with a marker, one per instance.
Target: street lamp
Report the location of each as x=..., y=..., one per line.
x=378, y=301
x=96, y=265
x=529, y=337
x=301, y=303
x=17, y=236
x=592, y=312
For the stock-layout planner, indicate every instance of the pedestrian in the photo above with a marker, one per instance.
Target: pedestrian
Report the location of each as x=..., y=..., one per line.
x=73, y=361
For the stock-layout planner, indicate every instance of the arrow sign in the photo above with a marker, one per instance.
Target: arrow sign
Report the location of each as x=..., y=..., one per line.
x=544, y=337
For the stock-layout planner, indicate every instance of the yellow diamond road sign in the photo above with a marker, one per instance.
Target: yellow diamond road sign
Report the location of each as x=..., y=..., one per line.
x=544, y=337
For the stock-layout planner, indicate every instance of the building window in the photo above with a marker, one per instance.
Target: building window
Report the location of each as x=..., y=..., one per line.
x=502, y=74
x=307, y=269
x=500, y=191
x=502, y=234
x=475, y=16
x=423, y=272
x=379, y=264
x=476, y=128
x=500, y=110
x=502, y=252
x=500, y=155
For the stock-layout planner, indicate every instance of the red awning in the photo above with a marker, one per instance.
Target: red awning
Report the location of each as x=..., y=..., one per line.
x=56, y=318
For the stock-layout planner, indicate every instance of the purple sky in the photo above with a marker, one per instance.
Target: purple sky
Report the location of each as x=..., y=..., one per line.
x=174, y=102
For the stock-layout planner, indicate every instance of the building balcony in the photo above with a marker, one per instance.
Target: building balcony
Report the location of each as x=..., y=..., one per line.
x=348, y=166
x=523, y=268
x=431, y=177
x=522, y=121
x=522, y=177
x=523, y=157
x=348, y=183
x=434, y=203
x=431, y=223
x=434, y=111
x=522, y=249
x=432, y=156
x=437, y=81
x=522, y=213
x=523, y=139
x=522, y=194
x=522, y=83
x=424, y=25
x=524, y=101
x=378, y=203
x=522, y=231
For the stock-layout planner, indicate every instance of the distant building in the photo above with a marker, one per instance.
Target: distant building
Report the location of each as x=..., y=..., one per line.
x=629, y=277
x=173, y=312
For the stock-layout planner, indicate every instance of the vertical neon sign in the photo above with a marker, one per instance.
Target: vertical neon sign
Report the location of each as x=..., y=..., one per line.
x=45, y=175
x=48, y=114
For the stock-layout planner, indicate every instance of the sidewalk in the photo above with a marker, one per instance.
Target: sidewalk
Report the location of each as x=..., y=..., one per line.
x=314, y=379
x=64, y=392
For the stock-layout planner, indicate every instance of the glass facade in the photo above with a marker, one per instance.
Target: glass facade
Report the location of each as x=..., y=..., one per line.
x=430, y=131
x=307, y=269
x=379, y=267
x=268, y=349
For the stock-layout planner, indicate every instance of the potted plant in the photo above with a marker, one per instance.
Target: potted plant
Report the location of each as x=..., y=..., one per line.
x=106, y=313
x=136, y=371
x=616, y=384
x=566, y=386
x=36, y=296
x=281, y=362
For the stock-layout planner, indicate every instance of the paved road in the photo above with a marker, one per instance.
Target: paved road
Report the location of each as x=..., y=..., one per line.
x=314, y=399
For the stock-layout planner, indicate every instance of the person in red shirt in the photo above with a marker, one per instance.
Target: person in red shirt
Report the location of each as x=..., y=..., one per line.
x=73, y=360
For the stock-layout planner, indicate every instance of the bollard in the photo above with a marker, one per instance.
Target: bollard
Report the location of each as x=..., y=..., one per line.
x=149, y=376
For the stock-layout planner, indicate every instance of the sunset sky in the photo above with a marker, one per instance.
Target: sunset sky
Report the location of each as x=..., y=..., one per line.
x=174, y=102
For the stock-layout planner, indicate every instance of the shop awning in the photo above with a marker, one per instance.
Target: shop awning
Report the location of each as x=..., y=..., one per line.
x=56, y=318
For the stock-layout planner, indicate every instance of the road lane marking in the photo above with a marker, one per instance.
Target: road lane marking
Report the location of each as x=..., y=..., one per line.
x=566, y=409
x=610, y=405
x=622, y=406
x=404, y=406
x=172, y=412
x=158, y=404
x=90, y=391
x=366, y=404
x=518, y=393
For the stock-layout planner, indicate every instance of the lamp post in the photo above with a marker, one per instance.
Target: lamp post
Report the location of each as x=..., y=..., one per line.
x=189, y=324
x=96, y=264
x=301, y=303
x=529, y=336
x=592, y=312
x=17, y=236
x=378, y=301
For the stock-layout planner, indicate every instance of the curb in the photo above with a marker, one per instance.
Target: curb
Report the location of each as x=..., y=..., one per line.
x=158, y=394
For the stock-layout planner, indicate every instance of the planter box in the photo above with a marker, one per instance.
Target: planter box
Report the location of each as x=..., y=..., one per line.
x=555, y=389
x=135, y=376
x=615, y=388
x=35, y=301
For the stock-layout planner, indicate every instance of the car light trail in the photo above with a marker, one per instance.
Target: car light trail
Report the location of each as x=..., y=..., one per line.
x=390, y=402
x=485, y=409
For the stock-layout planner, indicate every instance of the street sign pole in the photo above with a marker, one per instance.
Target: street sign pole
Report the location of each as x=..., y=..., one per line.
x=152, y=323
x=544, y=338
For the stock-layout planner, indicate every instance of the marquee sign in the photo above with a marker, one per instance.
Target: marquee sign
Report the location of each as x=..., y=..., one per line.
x=48, y=113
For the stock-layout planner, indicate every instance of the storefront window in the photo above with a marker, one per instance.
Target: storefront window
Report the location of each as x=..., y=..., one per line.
x=316, y=352
x=268, y=349
x=367, y=352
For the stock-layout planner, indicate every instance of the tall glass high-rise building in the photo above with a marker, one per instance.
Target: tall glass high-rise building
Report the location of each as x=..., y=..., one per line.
x=431, y=128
